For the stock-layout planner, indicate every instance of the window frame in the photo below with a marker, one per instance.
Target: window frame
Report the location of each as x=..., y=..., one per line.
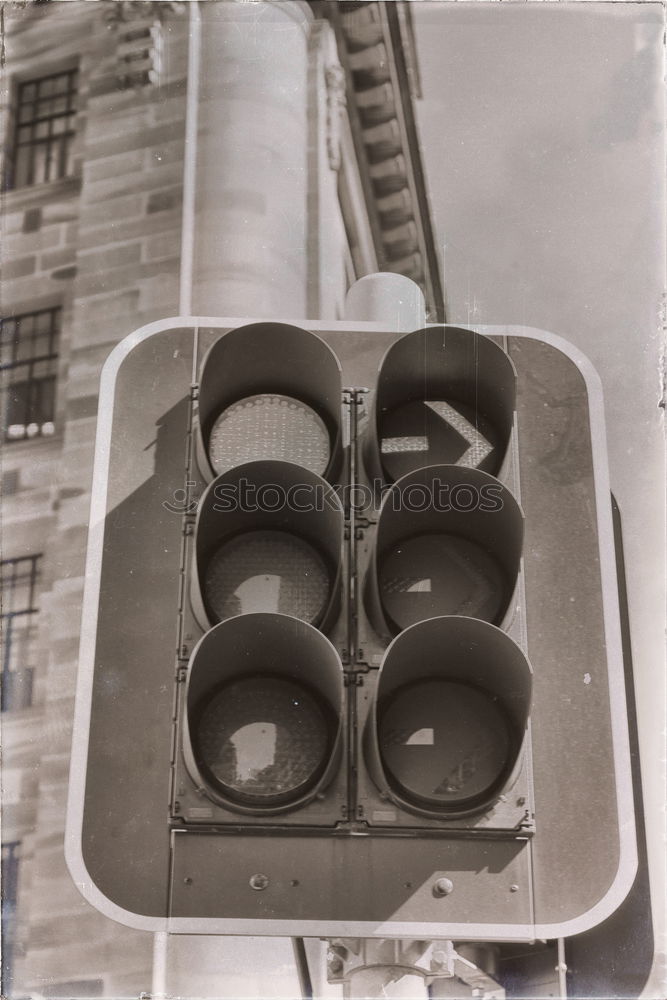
x=62, y=142
x=40, y=400
x=16, y=684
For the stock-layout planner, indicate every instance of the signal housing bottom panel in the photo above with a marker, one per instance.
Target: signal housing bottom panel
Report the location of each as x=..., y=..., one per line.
x=349, y=879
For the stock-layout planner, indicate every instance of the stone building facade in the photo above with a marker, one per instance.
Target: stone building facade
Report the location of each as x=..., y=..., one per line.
x=162, y=159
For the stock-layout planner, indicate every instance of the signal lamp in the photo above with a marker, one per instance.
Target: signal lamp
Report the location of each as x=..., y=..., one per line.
x=445, y=734
x=269, y=391
x=266, y=570
x=264, y=712
x=444, y=396
x=448, y=542
x=268, y=538
x=269, y=425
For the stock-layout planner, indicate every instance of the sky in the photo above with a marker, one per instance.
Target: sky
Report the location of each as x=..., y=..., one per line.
x=543, y=140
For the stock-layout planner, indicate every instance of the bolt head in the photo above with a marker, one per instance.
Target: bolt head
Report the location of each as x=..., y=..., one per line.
x=258, y=881
x=442, y=887
x=335, y=965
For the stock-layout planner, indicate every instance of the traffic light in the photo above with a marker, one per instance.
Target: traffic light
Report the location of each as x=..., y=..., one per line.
x=448, y=720
x=262, y=733
x=269, y=390
x=450, y=705
x=268, y=536
x=444, y=395
x=263, y=707
x=351, y=608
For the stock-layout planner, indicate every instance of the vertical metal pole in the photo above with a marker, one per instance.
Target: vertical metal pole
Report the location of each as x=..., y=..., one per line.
x=159, y=983
x=561, y=969
x=303, y=972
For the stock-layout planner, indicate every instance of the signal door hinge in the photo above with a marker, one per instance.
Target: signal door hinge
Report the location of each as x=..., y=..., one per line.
x=181, y=673
x=184, y=638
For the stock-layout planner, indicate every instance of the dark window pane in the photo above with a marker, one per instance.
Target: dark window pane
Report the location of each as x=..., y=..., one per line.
x=16, y=692
x=18, y=643
x=22, y=167
x=44, y=402
x=41, y=346
x=69, y=155
x=26, y=113
x=61, y=84
x=17, y=409
x=8, y=328
x=47, y=86
x=43, y=321
x=49, y=173
x=39, y=164
x=57, y=157
x=24, y=348
x=45, y=108
x=9, y=345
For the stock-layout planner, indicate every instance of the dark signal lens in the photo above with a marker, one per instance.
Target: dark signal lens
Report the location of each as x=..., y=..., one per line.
x=444, y=744
x=439, y=574
x=272, y=571
x=269, y=426
x=263, y=740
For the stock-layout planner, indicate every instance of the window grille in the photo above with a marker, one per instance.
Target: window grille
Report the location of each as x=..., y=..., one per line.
x=20, y=579
x=28, y=365
x=45, y=129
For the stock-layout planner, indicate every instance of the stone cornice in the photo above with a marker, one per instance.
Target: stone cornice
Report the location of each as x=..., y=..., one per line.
x=377, y=52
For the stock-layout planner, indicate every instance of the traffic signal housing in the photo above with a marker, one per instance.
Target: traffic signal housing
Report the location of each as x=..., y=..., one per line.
x=263, y=718
x=448, y=541
x=448, y=721
x=370, y=636
x=444, y=395
x=268, y=537
x=269, y=390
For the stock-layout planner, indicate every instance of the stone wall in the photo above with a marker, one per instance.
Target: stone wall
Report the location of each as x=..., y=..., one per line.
x=105, y=245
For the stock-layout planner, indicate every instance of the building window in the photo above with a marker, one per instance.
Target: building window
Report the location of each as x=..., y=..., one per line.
x=10, y=877
x=20, y=579
x=28, y=363
x=44, y=137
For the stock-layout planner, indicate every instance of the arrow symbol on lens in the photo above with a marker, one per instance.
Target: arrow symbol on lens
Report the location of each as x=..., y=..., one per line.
x=478, y=448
